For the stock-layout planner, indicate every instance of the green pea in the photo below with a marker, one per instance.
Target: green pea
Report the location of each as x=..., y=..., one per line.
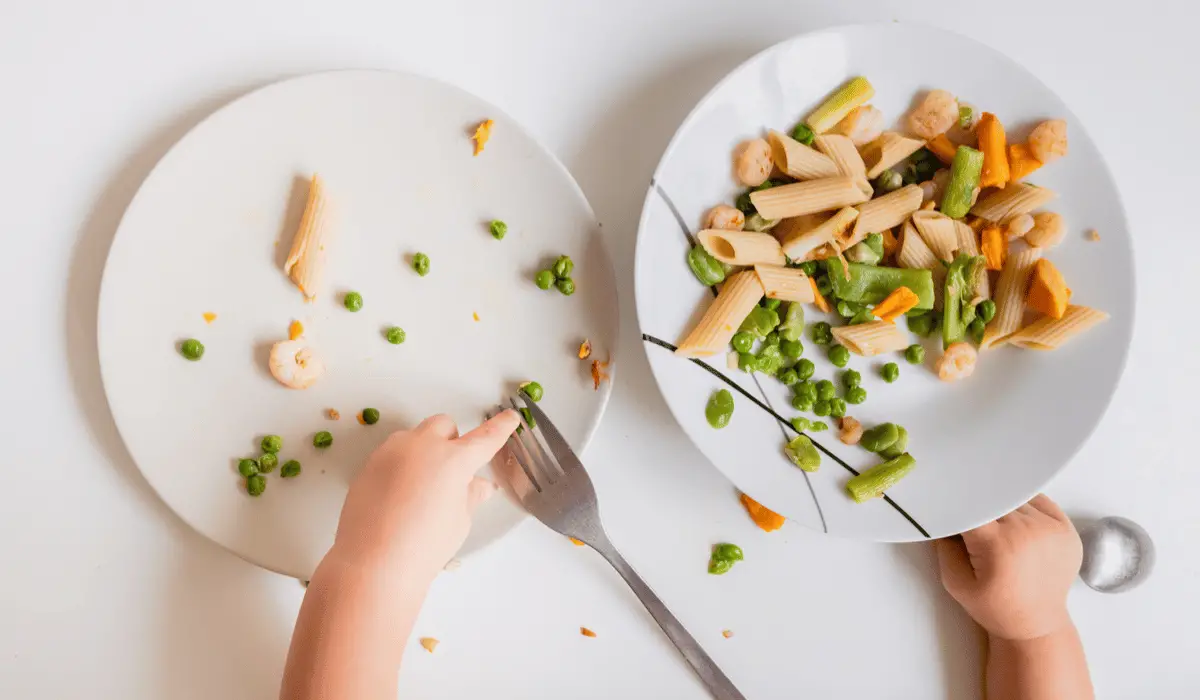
x=851, y=378
x=792, y=349
x=772, y=339
x=533, y=390
x=290, y=469
x=856, y=395
x=986, y=310
x=808, y=268
x=839, y=355
x=770, y=359
x=822, y=407
x=256, y=484
x=760, y=322
x=800, y=423
x=247, y=467
x=890, y=372
x=370, y=416
x=323, y=439
x=837, y=407
x=747, y=362
x=847, y=309
x=805, y=368
x=824, y=286
x=717, y=567
x=880, y=437
x=732, y=552
x=544, y=279
x=821, y=333
x=825, y=390
x=420, y=263
x=772, y=304
x=566, y=286
x=922, y=325
x=396, y=335
x=705, y=267
x=789, y=377
x=898, y=447
x=819, y=425
x=563, y=267
x=915, y=354
x=742, y=341
x=353, y=301
x=976, y=329
x=268, y=462
x=807, y=390
x=272, y=444
x=803, y=134
x=802, y=403
x=191, y=349
x=498, y=229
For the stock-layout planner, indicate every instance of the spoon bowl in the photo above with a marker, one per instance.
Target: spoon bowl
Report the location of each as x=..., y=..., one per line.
x=1118, y=555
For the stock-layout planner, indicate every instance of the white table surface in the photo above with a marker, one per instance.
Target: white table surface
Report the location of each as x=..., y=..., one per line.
x=105, y=594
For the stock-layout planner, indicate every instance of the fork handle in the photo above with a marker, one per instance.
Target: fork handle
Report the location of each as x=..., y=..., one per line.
x=718, y=683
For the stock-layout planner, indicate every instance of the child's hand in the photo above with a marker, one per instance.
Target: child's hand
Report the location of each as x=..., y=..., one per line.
x=411, y=505
x=1012, y=575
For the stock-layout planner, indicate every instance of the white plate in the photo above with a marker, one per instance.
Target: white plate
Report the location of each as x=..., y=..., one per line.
x=208, y=232
x=983, y=446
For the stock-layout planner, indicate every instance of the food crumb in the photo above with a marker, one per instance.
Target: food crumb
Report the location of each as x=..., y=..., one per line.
x=765, y=518
x=598, y=373
x=333, y=414
x=483, y=132
x=209, y=317
x=359, y=417
x=475, y=316
x=295, y=330
x=1093, y=235
x=585, y=349
x=452, y=565
x=577, y=543
x=429, y=643
x=586, y=632
x=727, y=633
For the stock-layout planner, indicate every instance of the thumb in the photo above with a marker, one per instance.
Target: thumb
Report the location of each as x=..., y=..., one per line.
x=482, y=443
x=955, y=565
x=478, y=491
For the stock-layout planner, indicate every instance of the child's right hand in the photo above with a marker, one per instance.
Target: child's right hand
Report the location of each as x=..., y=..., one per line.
x=1012, y=575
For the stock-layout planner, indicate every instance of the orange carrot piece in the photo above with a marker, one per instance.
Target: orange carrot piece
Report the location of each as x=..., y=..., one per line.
x=890, y=243
x=295, y=330
x=1021, y=162
x=899, y=302
x=586, y=632
x=209, y=317
x=1048, y=293
x=941, y=147
x=994, y=246
x=818, y=300
x=995, y=160
x=765, y=518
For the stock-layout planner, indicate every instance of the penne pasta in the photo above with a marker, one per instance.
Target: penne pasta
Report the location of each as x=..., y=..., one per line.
x=306, y=260
x=844, y=154
x=808, y=197
x=1020, y=198
x=1010, y=297
x=884, y=212
x=874, y=338
x=914, y=253
x=784, y=283
x=969, y=244
x=813, y=243
x=711, y=336
x=1050, y=334
x=939, y=231
x=799, y=161
x=741, y=247
x=887, y=150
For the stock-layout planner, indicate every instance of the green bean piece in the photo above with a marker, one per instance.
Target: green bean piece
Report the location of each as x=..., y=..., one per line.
x=353, y=301
x=914, y=354
x=871, y=284
x=533, y=390
x=527, y=416
x=839, y=355
x=837, y=407
x=819, y=426
x=566, y=286
x=272, y=444
x=256, y=484
x=879, y=478
x=370, y=416
x=922, y=325
x=803, y=134
x=805, y=368
x=803, y=454
x=986, y=310
x=705, y=267
x=772, y=304
x=757, y=223
x=823, y=407
x=772, y=338
x=897, y=448
x=498, y=229
x=808, y=390
x=809, y=268
x=802, y=403
x=800, y=423
x=890, y=372
x=742, y=341
x=732, y=552
x=191, y=349
x=290, y=468
x=323, y=439
x=964, y=178
x=965, y=114
x=563, y=267
x=717, y=567
x=545, y=279
x=719, y=409
x=420, y=263
x=760, y=322
x=396, y=335
x=268, y=462
x=825, y=390
x=957, y=311
x=247, y=467
x=880, y=437
x=851, y=378
x=792, y=325
x=789, y=377
x=792, y=349
x=821, y=333
x=856, y=395
x=976, y=329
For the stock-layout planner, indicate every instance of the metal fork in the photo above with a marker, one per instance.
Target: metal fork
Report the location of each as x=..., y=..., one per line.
x=554, y=487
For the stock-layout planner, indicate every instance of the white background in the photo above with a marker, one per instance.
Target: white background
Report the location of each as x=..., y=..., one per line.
x=104, y=593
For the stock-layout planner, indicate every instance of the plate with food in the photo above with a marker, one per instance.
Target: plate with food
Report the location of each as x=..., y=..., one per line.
x=885, y=281
x=326, y=260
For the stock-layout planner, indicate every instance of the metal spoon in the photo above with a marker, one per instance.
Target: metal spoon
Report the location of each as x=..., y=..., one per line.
x=1117, y=555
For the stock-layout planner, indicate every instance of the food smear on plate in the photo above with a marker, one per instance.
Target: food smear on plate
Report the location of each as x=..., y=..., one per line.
x=585, y=350
x=577, y=543
x=587, y=632
x=483, y=133
x=598, y=373
x=306, y=261
x=333, y=414
x=294, y=364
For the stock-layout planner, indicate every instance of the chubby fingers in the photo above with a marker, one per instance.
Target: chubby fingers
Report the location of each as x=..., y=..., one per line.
x=482, y=443
x=954, y=563
x=1042, y=503
x=440, y=425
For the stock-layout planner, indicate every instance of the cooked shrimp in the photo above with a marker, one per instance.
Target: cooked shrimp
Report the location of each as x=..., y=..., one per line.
x=932, y=189
x=1018, y=226
x=863, y=125
x=958, y=362
x=725, y=217
x=1047, y=230
x=753, y=162
x=934, y=116
x=294, y=365
x=1048, y=140
x=852, y=431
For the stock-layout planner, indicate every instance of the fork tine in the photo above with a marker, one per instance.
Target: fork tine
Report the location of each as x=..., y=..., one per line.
x=529, y=441
x=516, y=449
x=564, y=455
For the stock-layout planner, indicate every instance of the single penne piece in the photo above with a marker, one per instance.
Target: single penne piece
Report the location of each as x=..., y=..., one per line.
x=939, y=231
x=884, y=212
x=803, y=245
x=1049, y=333
x=1010, y=297
x=799, y=161
x=969, y=244
x=738, y=296
x=784, y=283
x=741, y=247
x=887, y=150
x=306, y=260
x=844, y=154
x=914, y=252
x=870, y=339
x=808, y=197
x=1020, y=198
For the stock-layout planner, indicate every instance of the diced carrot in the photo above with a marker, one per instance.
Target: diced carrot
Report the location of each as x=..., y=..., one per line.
x=899, y=302
x=992, y=142
x=586, y=632
x=1021, y=162
x=994, y=246
x=818, y=300
x=941, y=147
x=1048, y=293
x=483, y=132
x=765, y=518
x=890, y=243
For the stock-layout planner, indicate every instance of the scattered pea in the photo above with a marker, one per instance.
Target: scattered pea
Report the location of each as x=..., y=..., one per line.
x=566, y=286
x=805, y=368
x=289, y=469
x=272, y=444
x=851, y=378
x=396, y=335
x=839, y=355
x=323, y=439
x=268, y=462
x=792, y=349
x=742, y=341
x=915, y=354
x=890, y=372
x=976, y=329
x=837, y=407
x=247, y=467
x=819, y=425
x=719, y=409
x=563, y=267
x=922, y=325
x=420, y=263
x=191, y=349
x=256, y=484
x=498, y=229
x=800, y=423
x=821, y=333
x=986, y=310
x=353, y=301
x=370, y=416
x=731, y=552
x=822, y=407
x=803, y=134
x=789, y=377
x=825, y=390
x=544, y=279
x=802, y=403
x=856, y=395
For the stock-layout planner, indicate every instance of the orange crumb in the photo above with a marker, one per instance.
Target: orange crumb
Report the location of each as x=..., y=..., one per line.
x=585, y=349
x=429, y=643
x=295, y=330
x=1093, y=235
x=475, y=315
x=598, y=373
x=926, y=206
x=764, y=517
x=483, y=132
x=333, y=414
x=577, y=543
x=360, y=418
x=209, y=317
x=586, y=632
x=727, y=633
